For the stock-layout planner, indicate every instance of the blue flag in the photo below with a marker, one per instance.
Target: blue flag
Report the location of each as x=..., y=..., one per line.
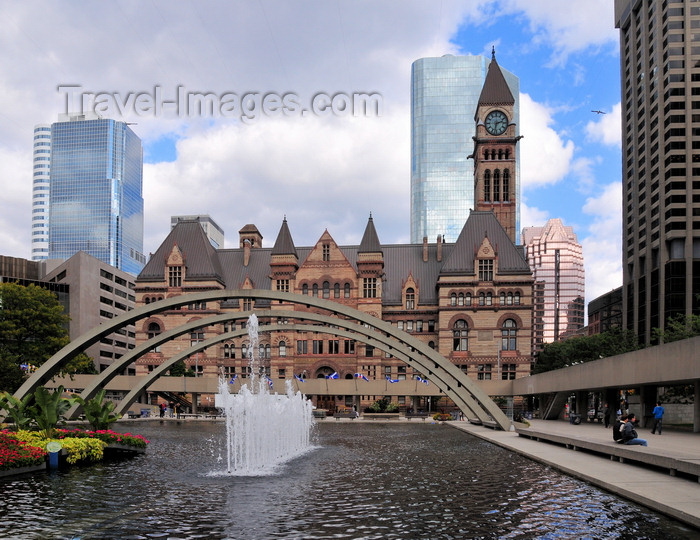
x=269, y=382
x=233, y=379
x=361, y=376
x=424, y=381
x=333, y=375
x=391, y=380
x=298, y=378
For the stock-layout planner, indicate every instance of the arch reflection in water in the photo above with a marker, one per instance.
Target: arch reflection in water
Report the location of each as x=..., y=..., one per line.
x=263, y=430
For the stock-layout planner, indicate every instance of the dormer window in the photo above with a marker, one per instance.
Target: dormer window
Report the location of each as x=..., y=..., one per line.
x=486, y=270
x=175, y=276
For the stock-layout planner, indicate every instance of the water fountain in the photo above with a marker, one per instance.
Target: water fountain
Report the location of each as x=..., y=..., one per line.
x=263, y=430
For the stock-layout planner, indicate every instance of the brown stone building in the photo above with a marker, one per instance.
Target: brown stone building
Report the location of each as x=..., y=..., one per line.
x=471, y=300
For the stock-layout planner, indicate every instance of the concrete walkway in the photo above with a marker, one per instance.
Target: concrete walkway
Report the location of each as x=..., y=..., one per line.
x=675, y=496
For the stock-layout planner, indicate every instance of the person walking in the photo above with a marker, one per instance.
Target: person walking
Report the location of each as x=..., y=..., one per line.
x=606, y=416
x=629, y=434
x=658, y=413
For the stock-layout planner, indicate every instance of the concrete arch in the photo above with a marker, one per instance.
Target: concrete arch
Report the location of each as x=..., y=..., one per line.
x=465, y=403
x=460, y=388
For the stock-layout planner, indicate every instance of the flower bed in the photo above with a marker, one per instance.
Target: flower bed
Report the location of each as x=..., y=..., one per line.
x=16, y=453
x=26, y=448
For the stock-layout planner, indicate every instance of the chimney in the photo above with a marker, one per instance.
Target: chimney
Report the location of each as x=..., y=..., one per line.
x=439, y=248
x=425, y=249
x=246, y=252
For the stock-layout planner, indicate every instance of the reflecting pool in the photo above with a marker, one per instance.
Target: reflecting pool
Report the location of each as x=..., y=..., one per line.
x=362, y=480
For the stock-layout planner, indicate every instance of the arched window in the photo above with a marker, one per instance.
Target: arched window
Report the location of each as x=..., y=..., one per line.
x=147, y=300
x=502, y=299
x=460, y=299
x=410, y=299
x=509, y=335
x=487, y=185
x=496, y=185
x=227, y=351
x=153, y=330
x=510, y=299
x=459, y=336
x=315, y=290
x=336, y=290
x=347, y=290
x=244, y=351
x=482, y=299
x=326, y=289
x=468, y=299
x=453, y=299
x=283, y=348
x=489, y=299
x=304, y=289
x=506, y=185
x=516, y=298
x=486, y=154
x=431, y=344
x=267, y=350
x=232, y=350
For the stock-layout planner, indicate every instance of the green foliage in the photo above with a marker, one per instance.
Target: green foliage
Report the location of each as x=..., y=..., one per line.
x=49, y=409
x=442, y=417
x=677, y=328
x=577, y=350
x=16, y=409
x=179, y=369
x=97, y=411
x=32, y=328
x=382, y=406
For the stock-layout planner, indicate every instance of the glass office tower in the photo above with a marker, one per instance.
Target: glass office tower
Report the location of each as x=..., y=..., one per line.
x=444, y=95
x=96, y=202
x=556, y=260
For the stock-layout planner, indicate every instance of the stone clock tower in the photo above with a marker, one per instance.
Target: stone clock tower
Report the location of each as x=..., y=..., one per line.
x=494, y=150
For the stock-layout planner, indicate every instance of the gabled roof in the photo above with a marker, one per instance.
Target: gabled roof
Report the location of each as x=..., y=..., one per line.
x=482, y=225
x=201, y=258
x=284, y=245
x=495, y=90
x=370, y=240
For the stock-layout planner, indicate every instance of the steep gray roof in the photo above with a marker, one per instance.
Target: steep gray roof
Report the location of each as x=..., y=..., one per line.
x=201, y=258
x=495, y=90
x=479, y=224
x=370, y=240
x=284, y=245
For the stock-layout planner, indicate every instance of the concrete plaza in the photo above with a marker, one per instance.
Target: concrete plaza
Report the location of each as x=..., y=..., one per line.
x=675, y=496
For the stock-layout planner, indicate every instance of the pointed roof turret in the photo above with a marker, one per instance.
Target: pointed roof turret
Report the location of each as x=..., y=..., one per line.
x=284, y=245
x=370, y=240
x=496, y=90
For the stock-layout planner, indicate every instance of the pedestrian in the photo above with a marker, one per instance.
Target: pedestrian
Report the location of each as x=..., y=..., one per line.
x=162, y=409
x=658, y=413
x=606, y=416
x=172, y=409
x=629, y=434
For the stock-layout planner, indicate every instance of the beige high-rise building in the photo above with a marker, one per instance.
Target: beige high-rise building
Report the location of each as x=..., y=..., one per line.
x=556, y=261
x=660, y=69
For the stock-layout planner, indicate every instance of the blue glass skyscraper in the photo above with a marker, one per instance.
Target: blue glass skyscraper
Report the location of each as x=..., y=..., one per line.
x=444, y=96
x=96, y=201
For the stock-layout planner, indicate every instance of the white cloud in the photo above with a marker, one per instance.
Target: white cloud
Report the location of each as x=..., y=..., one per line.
x=544, y=157
x=16, y=214
x=607, y=129
x=568, y=29
x=602, y=247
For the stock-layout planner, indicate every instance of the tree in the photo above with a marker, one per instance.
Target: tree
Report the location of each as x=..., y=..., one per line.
x=581, y=349
x=677, y=328
x=33, y=327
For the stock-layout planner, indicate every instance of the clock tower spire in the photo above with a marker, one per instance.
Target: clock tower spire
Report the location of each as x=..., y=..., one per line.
x=495, y=150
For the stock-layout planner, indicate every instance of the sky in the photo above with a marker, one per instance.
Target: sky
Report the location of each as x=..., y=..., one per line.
x=253, y=157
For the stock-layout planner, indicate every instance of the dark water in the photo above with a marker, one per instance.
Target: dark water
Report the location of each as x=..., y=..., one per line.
x=364, y=481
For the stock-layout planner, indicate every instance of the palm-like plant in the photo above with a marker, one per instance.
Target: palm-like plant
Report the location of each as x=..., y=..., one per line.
x=97, y=411
x=16, y=409
x=49, y=409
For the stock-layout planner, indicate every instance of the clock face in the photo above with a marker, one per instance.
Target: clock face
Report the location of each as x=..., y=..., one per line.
x=496, y=122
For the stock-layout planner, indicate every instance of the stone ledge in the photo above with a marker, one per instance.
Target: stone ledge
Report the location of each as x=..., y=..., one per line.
x=664, y=460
